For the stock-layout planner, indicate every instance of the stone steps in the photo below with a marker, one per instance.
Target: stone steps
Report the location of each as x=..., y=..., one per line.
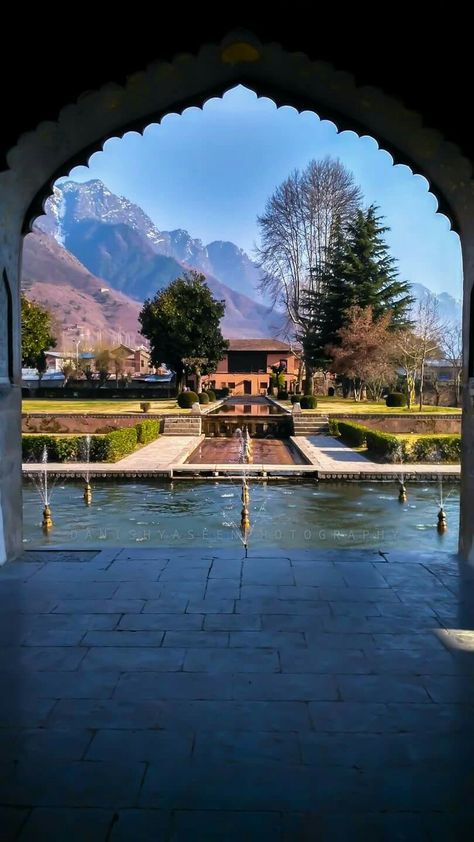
x=311, y=426
x=182, y=426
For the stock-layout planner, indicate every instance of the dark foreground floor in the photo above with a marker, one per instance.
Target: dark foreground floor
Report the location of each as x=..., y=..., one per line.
x=171, y=695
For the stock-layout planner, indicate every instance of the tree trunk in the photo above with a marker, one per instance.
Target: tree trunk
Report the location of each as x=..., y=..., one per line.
x=458, y=388
x=309, y=388
x=422, y=377
x=299, y=379
x=198, y=382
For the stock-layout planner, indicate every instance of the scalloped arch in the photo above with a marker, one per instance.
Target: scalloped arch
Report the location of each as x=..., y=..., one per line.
x=53, y=148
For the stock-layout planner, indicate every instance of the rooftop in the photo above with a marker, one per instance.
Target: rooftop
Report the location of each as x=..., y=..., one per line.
x=258, y=345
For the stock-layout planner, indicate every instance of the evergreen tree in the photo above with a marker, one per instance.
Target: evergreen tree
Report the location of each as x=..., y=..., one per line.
x=370, y=275
x=359, y=272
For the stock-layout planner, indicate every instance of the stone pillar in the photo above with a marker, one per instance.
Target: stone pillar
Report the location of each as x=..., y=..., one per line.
x=10, y=387
x=466, y=535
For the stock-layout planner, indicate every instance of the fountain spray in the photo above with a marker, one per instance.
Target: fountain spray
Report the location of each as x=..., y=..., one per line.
x=402, y=491
x=44, y=492
x=244, y=515
x=87, y=486
x=442, y=525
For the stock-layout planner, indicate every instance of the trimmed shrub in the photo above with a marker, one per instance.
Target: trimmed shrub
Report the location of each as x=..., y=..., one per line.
x=296, y=398
x=118, y=444
x=437, y=449
x=283, y=395
x=186, y=399
x=351, y=433
x=225, y=392
x=331, y=392
x=309, y=402
x=99, y=448
x=333, y=427
x=211, y=395
x=203, y=397
x=386, y=446
x=147, y=431
x=60, y=448
x=396, y=399
x=145, y=406
x=104, y=448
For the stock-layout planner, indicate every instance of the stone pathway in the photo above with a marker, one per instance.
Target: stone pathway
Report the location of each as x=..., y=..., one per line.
x=159, y=694
x=331, y=456
x=161, y=454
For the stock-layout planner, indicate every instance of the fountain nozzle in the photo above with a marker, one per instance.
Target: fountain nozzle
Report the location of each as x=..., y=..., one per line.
x=88, y=494
x=47, y=519
x=402, y=493
x=442, y=521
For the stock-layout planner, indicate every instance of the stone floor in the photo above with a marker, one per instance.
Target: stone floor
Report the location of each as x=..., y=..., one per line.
x=172, y=695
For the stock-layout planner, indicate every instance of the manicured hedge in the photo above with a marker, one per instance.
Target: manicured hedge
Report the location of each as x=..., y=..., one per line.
x=283, y=395
x=147, y=431
x=211, y=395
x=203, y=397
x=59, y=448
x=309, y=402
x=396, y=399
x=387, y=446
x=351, y=433
x=333, y=427
x=186, y=399
x=437, y=449
x=119, y=444
x=104, y=448
x=296, y=398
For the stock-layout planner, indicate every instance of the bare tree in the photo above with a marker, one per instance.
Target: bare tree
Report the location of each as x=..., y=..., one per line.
x=428, y=329
x=406, y=354
x=414, y=347
x=296, y=230
x=364, y=352
x=452, y=349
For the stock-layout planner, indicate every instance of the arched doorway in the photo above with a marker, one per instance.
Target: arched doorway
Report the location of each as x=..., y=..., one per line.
x=41, y=156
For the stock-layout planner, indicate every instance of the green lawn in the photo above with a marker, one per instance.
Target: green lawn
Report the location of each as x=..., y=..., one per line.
x=341, y=406
x=110, y=407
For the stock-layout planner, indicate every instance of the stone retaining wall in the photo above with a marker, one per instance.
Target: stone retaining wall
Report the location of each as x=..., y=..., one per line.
x=432, y=423
x=70, y=423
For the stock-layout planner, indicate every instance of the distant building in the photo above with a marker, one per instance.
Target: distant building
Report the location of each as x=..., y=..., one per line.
x=135, y=361
x=246, y=367
x=30, y=378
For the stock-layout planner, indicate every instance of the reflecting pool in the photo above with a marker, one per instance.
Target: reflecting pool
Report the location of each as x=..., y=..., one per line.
x=206, y=514
x=264, y=452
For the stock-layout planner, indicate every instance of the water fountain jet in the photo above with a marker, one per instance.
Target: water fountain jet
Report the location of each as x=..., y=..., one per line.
x=442, y=524
x=87, y=457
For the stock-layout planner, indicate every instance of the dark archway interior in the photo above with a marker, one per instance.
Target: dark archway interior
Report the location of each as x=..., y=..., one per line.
x=403, y=61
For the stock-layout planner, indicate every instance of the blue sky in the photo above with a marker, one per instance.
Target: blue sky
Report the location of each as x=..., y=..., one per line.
x=211, y=170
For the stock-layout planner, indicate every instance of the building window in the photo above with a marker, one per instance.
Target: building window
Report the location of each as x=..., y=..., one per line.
x=264, y=385
x=231, y=385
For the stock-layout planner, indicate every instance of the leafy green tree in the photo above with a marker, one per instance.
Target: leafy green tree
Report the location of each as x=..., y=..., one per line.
x=36, y=334
x=182, y=324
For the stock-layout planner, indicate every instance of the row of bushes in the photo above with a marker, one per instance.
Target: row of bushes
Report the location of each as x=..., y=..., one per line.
x=306, y=401
x=394, y=449
x=103, y=448
x=186, y=399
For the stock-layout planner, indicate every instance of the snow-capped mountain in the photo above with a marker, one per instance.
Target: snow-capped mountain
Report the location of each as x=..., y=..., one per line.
x=449, y=308
x=115, y=240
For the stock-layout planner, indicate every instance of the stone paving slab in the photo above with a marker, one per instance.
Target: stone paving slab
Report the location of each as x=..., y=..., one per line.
x=331, y=456
x=330, y=697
